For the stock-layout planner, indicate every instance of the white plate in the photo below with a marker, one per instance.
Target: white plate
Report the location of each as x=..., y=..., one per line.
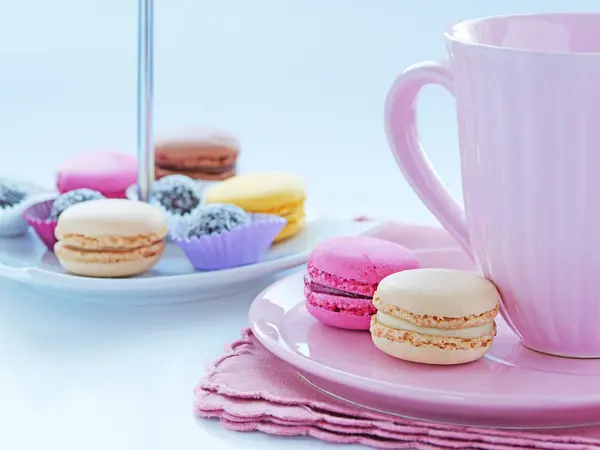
x=173, y=280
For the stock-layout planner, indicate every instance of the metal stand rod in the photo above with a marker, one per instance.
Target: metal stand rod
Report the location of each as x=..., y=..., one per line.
x=145, y=87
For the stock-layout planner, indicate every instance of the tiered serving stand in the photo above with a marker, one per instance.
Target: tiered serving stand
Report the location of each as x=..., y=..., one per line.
x=26, y=260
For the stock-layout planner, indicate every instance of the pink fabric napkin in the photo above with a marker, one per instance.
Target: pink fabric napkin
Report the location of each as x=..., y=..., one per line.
x=249, y=389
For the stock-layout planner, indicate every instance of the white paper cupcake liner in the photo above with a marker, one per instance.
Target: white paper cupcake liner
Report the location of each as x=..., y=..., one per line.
x=12, y=223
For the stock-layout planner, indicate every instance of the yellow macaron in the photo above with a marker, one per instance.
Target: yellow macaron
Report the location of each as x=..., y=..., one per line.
x=279, y=193
x=110, y=238
x=435, y=316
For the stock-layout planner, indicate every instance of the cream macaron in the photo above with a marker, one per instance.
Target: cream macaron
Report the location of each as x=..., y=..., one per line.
x=435, y=316
x=110, y=238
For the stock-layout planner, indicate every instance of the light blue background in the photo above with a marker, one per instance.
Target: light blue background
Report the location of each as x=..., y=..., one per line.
x=302, y=83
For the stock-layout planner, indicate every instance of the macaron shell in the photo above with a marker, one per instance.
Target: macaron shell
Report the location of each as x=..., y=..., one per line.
x=108, y=264
x=338, y=319
x=428, y=355
x=290, y=230
x=296, y=219
x=365, y=260
x=109, y=173
x=291, y=211
x=258, y=192
x=211, y=141
x=278, y=193
x=439, y=292
x=112, y=217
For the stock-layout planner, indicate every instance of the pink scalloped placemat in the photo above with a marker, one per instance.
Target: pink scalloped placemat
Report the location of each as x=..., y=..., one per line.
x=249, y=389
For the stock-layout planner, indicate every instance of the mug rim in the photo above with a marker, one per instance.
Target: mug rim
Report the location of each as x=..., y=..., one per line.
x=450, y=35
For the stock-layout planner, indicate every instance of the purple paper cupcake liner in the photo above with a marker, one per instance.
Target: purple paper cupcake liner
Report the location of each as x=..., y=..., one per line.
x=238, y=247
x=37, y=216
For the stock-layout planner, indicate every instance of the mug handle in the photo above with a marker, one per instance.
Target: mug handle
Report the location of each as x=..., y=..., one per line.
x=401, y=129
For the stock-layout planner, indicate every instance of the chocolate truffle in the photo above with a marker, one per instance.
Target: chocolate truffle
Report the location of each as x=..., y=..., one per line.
x=177, y=194
x=10, y=195
x=71, y=198
x=217, y=218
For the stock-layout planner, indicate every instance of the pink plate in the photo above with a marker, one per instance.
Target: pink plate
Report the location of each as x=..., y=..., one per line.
x=512, y=387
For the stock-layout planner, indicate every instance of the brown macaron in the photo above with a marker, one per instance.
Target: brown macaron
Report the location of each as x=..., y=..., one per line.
x=204, y=153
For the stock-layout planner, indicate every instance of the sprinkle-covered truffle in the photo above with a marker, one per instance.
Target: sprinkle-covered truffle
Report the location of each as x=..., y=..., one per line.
x=216, y=218
x=178, y=194
x=10, y=195
x=71, y=198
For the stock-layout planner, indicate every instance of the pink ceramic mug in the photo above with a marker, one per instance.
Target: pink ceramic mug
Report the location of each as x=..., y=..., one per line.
x=527, y=92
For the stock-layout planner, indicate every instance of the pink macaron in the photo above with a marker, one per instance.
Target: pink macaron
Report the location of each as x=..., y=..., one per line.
x=343, y=274
x=109, y=173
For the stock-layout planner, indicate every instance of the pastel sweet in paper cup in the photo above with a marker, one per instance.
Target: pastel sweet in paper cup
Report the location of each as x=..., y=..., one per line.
x=243, y=245
x=43, y=215
x=38, y=216
x=11, y=221
x=177, y=195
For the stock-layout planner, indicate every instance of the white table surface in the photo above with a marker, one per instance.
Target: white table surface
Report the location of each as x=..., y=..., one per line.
x=301, y=82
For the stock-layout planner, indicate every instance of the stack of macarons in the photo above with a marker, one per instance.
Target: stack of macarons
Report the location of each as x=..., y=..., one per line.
x=278, y=193
x=430, y=316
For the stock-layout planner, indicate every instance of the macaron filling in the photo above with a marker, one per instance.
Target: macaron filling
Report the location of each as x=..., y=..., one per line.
x=433, y=321
x=366, y=290
x=212, y=170
x=420, y=339
x=403, y=325
x=109, y=255
x=109, y=243
x=338, y=307
x=318, y=288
